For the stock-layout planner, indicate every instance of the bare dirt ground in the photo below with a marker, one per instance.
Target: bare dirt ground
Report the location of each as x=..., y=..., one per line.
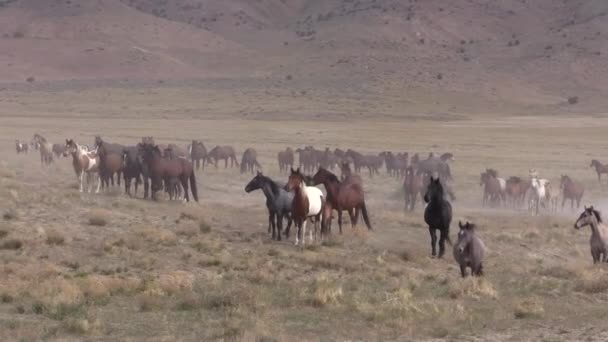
x=110, y=267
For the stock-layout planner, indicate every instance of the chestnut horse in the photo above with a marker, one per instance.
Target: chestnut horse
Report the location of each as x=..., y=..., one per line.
x=308, y=202
x=572, y=190
x=168, y=171
x=492, y=188
x=110, y=163
x=516, y=189
x=599, y=168
x=347, y=196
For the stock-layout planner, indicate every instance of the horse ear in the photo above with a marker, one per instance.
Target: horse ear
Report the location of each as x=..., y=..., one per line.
x=292, y=170
x=298, y=170
x=460, y=224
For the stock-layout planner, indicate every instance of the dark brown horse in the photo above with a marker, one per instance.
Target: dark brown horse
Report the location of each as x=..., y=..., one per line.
x=412, y=186
x=492, y=189
x=285, y=159
x=224, y=153
x=110, y=163
x=169, y=171
x=572, y=190
x=516, y=189
x=250, y=161
x=343, y=196
x=198, y=153
x=599, y=168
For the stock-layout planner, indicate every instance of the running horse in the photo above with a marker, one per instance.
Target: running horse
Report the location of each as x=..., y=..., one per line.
x=599, y=169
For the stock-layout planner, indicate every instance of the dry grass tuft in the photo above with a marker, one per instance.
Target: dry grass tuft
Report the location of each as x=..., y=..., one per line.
x=100, y=286
x=187, y=229
x=10, y=214
x=188, y=301
x=174, y=282
x=474, y=287
x=529, y=308
x=325, y=292
x=56, y=296
x=11, y=244
x=81, y=326
x=157, y=235
x=3, y=233
x=53, y=237
x=190, y=213
x=592, y=281
x=150, y=300
x=99, y=217
x=204, y=227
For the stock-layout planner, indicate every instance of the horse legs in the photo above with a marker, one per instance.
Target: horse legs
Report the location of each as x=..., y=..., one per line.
x=279, y=226
x=442, y=237
x=184, y=180
x=289, y=223
x=127, y=185
x=355, y=217
x=271, y=224
x=433, y=241
x=81, y=181
x=146, y=186
x=340, y=219
x=298, y=224
x=304, y=232
x=463, y=270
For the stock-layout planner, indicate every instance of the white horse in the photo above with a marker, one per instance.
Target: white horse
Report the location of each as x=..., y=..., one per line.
x=538, y=186
x=84, y=162
x=308, y=203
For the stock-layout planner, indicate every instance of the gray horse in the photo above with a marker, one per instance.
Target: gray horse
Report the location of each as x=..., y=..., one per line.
x=278, y=202
x=469, y=250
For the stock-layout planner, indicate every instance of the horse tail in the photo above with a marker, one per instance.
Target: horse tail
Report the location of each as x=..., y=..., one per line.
x=193, y=185
x=365, y=216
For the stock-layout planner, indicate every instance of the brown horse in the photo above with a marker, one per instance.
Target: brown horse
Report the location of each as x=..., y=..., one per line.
x=308, y=202
x=169, y=171
x=21, y=147
x=198, y=153
x=599, y=168
x=492, y=189
x=285, y=159
x=343, y=196
x=110, y=163
x=516, y=189
x=250, y=160
x=571, y=190
x=412, y=186
x=346, y=173
x=224, y=153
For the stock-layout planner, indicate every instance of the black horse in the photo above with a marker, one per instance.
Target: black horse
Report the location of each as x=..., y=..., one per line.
x=132, y=168
x=438, y=215
x=278, y=202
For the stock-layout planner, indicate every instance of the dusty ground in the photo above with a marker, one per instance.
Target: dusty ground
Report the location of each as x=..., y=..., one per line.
x=110, y=267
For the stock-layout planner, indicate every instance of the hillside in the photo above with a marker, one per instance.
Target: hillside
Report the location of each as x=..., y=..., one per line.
x=527, y=52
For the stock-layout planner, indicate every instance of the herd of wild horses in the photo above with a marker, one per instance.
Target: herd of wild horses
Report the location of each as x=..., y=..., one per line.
x=172, y=168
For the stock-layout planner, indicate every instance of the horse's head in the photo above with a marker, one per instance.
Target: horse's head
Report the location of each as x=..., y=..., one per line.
x=434, y=190
x=588, y=217
x=296, y=179
x=465, y=236
x=256, y=182
x=71, y=146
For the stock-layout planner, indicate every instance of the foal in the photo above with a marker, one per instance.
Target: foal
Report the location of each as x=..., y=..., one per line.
x=469, y=250
x=308, y=202
x=599, y=233
x=84, y=163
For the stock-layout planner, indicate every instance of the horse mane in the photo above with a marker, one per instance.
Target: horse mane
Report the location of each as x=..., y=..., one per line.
x=331, y=176
x=273, y=186
x=598, y=215
x=492, y=172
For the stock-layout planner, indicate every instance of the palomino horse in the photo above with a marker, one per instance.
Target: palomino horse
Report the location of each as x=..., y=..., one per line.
x=285, y=159
x=308, y=202
x=169, y=171
x=571, y=190
x=45, y=148
x=412, y=185
x=493, y=187
x=21, y=147
x=84, y=163
x=599, y=233
x=347, y=196
x=278, y=203
x=438, y=215
x=599, y=169
x=224, y=153
x=250, y=161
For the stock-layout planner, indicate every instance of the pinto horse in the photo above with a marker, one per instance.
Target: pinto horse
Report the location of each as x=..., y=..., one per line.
x=84, y=162
x=308, y=202
x=599, y=169
x=169, y=171
x=347, y=195
x=572, y=190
